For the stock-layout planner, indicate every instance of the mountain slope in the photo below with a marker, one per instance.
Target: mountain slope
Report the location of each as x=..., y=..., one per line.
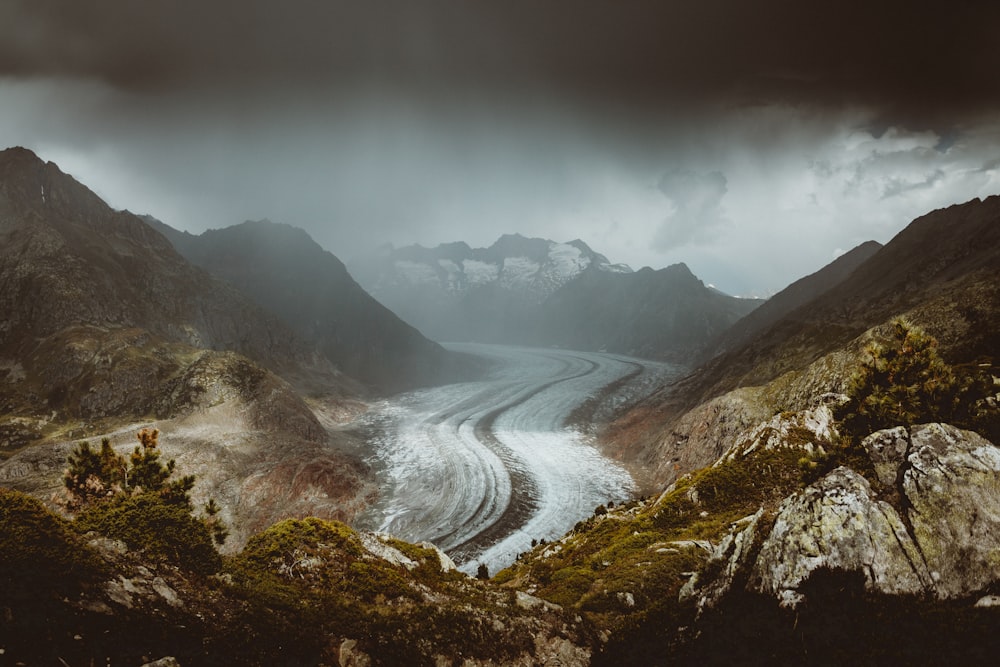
x=659, y=314
x=104, y=329
x=290, y=275
x=950, y=250
x=792, y=297
x=940, y=272
x=66, y=258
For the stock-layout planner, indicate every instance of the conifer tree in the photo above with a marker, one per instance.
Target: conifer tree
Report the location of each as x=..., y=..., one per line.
x=904, y=383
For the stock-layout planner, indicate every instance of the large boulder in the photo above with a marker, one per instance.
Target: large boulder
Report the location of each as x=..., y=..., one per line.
x=928, y=523
x=837, y=524
x=952, y=483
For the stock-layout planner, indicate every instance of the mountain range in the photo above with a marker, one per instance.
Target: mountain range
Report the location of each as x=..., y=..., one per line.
x=764, y=527
x=940, y=272
x=530, y=291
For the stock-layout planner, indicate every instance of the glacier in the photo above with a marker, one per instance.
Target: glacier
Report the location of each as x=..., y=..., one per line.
x=483, y=468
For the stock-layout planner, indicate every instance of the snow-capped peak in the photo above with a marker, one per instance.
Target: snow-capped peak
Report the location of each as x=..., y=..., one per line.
x=535, y=267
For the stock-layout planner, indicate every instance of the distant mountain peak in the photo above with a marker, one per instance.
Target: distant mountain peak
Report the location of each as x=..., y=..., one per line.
x=532, y=267
x=533, y=291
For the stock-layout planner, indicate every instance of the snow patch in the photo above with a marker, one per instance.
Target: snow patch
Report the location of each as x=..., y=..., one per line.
x=454, y=280
x=518, y=272
x=480, y=273
x=416, y=273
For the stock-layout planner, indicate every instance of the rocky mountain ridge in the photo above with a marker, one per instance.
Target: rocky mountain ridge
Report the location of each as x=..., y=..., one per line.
x=534, y=266
x=794, y=296
x=67, y=258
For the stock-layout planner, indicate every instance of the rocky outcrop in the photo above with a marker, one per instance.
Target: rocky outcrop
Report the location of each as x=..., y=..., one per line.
x=837, y=524
x=952, y=484
x=727, y=561
x=939, y=536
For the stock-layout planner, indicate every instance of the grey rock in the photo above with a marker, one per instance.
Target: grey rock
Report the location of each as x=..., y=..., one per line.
x=836, y=523
x=728, y=558
x=168, y=661
x=887, y=449
x=947, y=546
x=953, y=487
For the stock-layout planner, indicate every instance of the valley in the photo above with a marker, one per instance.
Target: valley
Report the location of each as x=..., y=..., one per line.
x=483, y=468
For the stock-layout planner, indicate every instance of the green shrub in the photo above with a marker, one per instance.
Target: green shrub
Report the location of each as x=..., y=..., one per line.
x=38, y=550
x=906, y=382
x=98, y=476
x=569, y=584
x=152, y=523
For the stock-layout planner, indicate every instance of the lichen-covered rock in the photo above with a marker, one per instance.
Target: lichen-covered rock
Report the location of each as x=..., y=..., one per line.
x=887, y=449
x=947, y=544
x=952, y=483
x=808, y=430
x=728, y=558
x=836, y=523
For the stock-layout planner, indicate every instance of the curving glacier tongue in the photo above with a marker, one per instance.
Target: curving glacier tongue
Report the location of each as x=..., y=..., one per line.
x=483, y=468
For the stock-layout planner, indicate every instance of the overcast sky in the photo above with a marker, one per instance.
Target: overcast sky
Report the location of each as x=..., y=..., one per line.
x=754, y=141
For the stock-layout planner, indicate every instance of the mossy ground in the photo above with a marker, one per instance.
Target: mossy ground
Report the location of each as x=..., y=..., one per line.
x=626, y=567
x=317, y=575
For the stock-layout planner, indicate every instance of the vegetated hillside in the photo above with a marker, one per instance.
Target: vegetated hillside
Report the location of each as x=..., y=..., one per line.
x=658, y=314
x=290, y=275
x=940, y=272
x=141, y=587
x=858, y=528
x=797, y=294
x=537, y=292
x=806, y=542
x=105, y=327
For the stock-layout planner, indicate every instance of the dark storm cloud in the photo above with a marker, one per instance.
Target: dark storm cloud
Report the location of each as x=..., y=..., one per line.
x=914, y=61
x=714, y=133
